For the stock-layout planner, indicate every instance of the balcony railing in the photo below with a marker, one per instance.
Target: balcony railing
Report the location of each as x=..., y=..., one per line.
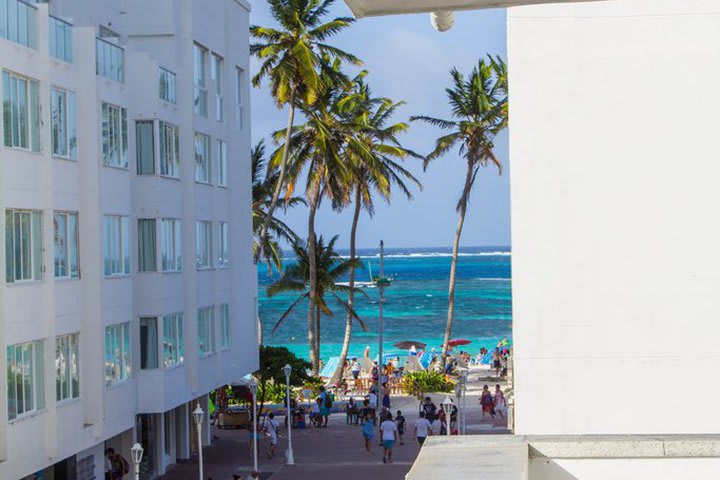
x=60, y=33
x=110, y=60
x=18, y=22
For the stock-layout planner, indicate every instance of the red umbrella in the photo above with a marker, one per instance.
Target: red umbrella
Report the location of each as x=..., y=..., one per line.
x=458, y=341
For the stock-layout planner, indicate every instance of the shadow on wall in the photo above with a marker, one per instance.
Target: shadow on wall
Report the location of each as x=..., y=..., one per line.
x=547, y=469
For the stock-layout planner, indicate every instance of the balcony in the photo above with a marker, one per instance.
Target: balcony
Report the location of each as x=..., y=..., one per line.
x=60, y=34
x=109, y=60
x=18, y=22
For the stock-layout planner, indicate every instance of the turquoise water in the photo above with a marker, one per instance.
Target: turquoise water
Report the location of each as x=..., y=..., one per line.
x=415, y=304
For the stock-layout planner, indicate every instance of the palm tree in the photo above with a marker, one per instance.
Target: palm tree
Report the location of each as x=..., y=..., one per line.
x=479, y=110
x=330, y=268
x=293, y=60
x=373, y=170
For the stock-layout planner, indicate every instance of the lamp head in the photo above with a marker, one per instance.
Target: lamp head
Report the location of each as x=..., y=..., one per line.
x=447, y=405
x=288, y=370
x=198, y=414
x=137, y=453
x=253, y=387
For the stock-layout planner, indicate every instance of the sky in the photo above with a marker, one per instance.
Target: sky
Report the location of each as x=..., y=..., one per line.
x=408, y=60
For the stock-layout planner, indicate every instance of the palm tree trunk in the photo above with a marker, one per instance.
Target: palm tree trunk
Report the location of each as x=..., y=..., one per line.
x=312, y=332
x=338, y=375
x=281, y=177
x=260, y=330
x=462, y=209
x=317, y=336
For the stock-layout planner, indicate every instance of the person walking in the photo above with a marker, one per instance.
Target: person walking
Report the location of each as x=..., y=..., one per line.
x=368, y=431
x=118, y=466
x=326, y=403
x=388, y=428
x=400, y=421
x=271, y=430
x=430, y=409
x=355, y=369
x=373, y=402
x=423, y=428
x=499, y=401
x=315, y=413
x=497, y=362
x=486, y=400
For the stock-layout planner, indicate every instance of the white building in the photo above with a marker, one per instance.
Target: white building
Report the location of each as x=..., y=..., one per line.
x=614, y=108
x=129, y=291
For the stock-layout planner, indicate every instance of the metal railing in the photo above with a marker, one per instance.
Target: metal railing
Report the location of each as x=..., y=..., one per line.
x=18, y=22
x=60, y=35
x=109, y=60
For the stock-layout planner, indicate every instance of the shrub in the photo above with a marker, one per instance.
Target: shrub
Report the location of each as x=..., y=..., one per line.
x=420, y=383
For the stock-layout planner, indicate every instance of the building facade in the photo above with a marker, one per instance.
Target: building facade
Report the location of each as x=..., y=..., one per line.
x=129, y=291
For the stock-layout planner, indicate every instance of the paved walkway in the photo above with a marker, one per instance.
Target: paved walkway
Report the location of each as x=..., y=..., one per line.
x=335, y=452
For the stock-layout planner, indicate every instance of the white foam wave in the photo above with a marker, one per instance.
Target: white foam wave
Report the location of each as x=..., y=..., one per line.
x=492, y=279
x=439, y=254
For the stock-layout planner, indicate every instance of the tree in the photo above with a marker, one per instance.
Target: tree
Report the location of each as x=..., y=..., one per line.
x=291, y=58
x=296, y=278
x=272, y=361
x=373, y=171
x=479, y=110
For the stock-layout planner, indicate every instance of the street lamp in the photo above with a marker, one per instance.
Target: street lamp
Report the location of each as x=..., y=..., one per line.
x=289, y=454
x=198, y=416
x=464, y=378
x=447, y=405
x=253, y=389
x=458, y=396
x=137, y=453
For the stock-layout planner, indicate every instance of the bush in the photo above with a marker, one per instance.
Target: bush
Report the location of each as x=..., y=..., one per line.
x=420, y=383
x=274, y=393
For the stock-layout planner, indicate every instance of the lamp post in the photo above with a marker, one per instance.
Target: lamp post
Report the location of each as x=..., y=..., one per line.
x=198, y=416
x=381, y=283
x=458, y=396
x=137, y=454
x=289, y=454
x=464, y=378
x=447, y=405
x=253, y=389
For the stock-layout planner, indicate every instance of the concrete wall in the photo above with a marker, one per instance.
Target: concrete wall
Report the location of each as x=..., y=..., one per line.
x=622, y=468
x=614, y=109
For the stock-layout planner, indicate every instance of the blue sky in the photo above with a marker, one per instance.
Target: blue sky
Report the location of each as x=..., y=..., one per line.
x=410, y=61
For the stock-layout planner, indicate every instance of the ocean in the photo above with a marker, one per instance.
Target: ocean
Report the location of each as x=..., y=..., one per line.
x=415, y=306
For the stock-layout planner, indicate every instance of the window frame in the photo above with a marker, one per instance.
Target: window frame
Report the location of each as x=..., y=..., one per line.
x=125, y=356
x=204, y=232
x=165, y=170
x=221, y=163
x=203, y=160
x=239, y=85
x=206, y=331
x=69, y=121
x=200, y=87
x=217, y=65
x=223, y=245
x=170, y=79
x=30, y=133
x=175, y=225
x=36, y=369
x=68, y=243
x=125, y=246
x=224, y=327
x=35, y=249
x=117, y=132
x=72, y=351
x=175, y=323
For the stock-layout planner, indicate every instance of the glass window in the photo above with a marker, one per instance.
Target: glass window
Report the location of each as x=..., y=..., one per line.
x=110, y=60
x=23, y=245
x=222, y=164
x=222, y=244
x=203, y=244
x=60, y=34
x=118, y=367
x=21, y=112
x=206, y=330
x=171, y=245
x=173, y=340
x=25, y=378
x=239, y=97
x=167, y=85
x=169, y=150
x=67, y=367
x=18, y=22
x=224, y=326
x=145, y=147
x=147, y=245
x=116, y=245
x=63, y=115
x=148, y=343
x=200, y=82
x=202, y=158
x=67, y=239
x=216, y=72
x=114, y=135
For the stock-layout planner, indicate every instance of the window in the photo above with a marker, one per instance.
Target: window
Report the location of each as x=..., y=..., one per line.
x=223, y=244
x=67, y=367
x=147, y=245
x=117, y=353
x=60, y=34
x=206, y=330
x=109, y=60
x=171, y=245
x=114, y=135
x=18, y=22
x=116, y=245
x=66, y=235
x=222, y=164
x=224, y=326
x=173, y=340
x=167, y=85
x=216, y=73
x=148, y=343
x=23, y=245
x=203, y=244
x=169, y=150
x=200, y=83
x=63, y=116
x=25, y=378
x=239, y=97
x=145, y=147
x=21, y=112
x=202, y=158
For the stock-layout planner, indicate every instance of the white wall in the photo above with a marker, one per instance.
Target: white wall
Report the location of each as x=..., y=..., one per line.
x=614, y=111
x=623, y=468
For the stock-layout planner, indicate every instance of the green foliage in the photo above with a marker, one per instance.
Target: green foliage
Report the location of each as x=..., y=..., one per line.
x=273, y=393
x=420, y=383
x=272, y=361
x=314, y=384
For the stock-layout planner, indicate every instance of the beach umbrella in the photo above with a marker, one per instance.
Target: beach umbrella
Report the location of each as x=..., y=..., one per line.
x=408, y=344
x=459, y=341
